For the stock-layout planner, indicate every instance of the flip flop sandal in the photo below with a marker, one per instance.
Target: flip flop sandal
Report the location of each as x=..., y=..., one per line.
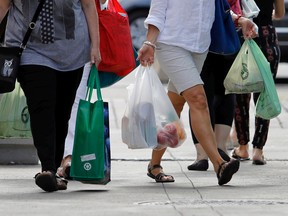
x=235, y=156
x=160, y=176
x=227, y=170
x=46, y=180
x=259, y=162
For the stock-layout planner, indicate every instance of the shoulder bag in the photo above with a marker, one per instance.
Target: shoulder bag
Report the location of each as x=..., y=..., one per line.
x=10, y=57
x=224, y=37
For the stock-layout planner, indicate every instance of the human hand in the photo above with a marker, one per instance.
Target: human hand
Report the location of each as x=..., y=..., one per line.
x=146, y=55
x=249, y=28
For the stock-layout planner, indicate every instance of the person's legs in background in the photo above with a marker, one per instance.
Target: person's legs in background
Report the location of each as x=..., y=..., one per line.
x=268, y=43
x=64, y=169
x=221, y=107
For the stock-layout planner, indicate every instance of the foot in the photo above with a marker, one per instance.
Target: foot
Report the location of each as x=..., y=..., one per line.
x=49, y=182
x=156, y=172
x=240, y=153
x=64, y=170
x=199, y=165
x=227, y=170
x=258, y=157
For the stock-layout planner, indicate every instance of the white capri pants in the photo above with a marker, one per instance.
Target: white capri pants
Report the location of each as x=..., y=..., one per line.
x=80, y=94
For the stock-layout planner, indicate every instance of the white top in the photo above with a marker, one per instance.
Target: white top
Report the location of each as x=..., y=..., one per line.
x=183, y=23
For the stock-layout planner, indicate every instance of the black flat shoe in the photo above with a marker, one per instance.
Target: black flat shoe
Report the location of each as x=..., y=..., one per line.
x=201, y=165
x=224, y=155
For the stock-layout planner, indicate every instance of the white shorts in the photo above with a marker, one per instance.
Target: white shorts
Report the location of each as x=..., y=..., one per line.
x=181, y=66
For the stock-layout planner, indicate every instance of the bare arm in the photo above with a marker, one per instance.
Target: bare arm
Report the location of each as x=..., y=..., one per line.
x=91, y=14
x=279, y=9
x=4, y=6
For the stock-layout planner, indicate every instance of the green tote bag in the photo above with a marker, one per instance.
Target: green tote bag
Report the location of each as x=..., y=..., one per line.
x=91, y=151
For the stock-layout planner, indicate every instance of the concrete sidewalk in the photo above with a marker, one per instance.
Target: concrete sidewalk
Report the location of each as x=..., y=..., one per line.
x=254, y=190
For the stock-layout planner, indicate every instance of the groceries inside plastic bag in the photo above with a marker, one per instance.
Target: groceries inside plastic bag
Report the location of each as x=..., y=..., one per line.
x=150, y=120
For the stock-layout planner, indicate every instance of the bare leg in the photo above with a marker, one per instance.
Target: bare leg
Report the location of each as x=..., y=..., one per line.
x=178, y=103
x=201, y=123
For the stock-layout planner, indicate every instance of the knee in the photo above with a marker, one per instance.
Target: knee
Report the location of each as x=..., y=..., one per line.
x=196, y=99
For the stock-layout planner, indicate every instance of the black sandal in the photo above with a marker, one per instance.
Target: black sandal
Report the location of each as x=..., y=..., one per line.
x=159, y=176
x=46, y=180
x=226, y=171
x=49, y=182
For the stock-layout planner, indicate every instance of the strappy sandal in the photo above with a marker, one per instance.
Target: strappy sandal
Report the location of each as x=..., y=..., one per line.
x=160, y=176
x=226, y=171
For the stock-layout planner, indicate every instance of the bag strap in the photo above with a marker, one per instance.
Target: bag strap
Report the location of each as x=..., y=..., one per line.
x=93, y=82
x=31, y=26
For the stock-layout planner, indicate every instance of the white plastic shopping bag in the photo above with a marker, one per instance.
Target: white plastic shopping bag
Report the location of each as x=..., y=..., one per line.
x=150, y=120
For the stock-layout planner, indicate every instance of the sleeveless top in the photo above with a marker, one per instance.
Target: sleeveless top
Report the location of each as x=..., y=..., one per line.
x=264, y=17
x=60, y=39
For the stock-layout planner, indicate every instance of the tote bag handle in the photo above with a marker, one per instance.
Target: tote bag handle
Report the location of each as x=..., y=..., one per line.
x=93, y=81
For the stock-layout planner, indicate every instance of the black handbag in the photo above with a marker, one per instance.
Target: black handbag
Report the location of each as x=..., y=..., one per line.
x=224, y=37
x=10, y=57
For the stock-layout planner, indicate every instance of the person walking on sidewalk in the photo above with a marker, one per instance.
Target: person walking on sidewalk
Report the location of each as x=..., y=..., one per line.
x=221, y=105
x=177, y=34
x=66, y=36
x=268, y=43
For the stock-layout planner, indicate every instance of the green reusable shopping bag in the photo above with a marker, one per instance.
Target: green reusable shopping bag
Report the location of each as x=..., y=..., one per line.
x=91, y=151
x=268, y=105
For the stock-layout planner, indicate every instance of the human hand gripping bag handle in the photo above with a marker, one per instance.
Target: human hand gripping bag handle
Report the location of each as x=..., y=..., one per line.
x=268, y=105
x=10, y=57
x=150, y=120
x=116, y=47
x=244, y=75
x=91, y=157
x=224, y=37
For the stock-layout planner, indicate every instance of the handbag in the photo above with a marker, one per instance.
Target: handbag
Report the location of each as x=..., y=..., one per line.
x=110, y=78
x=244, y=76
x=115, y=39
x=91, y=160
x=10, y=57
x=150, y=120
x=224, y=37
